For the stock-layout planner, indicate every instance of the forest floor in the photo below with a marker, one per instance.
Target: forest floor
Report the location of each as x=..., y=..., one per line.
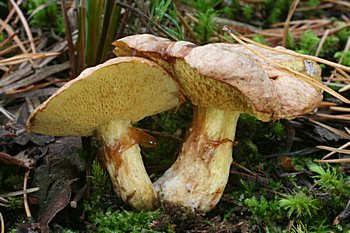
x=287, y=175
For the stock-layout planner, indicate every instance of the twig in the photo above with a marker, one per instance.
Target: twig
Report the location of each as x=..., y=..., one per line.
x=25, y=198
x=302, y=152
x=4, y=42
x=307, y=79
x=347, y=46
x=344, y=117
x=163, y=135
x=243, y=168
x=340, y=109
x=10, y=31
x=9, y=16
x=339, y=150
x=333, y=161
x=187, y=26
x=320, y=45
x=77, y=197
x=347, y=87
x=287, y=23
x=347, y=4
x=333, y=152
x=145, y=16
x=25, y=25
x=69, y=39
x=2, y=223
x=17, y=193
x=333, y=130
x=123, y=21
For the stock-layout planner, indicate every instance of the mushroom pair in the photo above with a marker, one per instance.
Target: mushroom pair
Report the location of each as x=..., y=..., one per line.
x=221, y=80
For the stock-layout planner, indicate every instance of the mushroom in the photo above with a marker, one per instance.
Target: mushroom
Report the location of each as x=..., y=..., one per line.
x=105, y=100
x=222, y=81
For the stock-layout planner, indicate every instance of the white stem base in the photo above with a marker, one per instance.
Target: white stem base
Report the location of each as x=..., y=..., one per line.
x=198, y=177
x=121, y=155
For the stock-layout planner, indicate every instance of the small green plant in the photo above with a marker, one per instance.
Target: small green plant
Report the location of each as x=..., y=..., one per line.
x=330, y=46
x=205, y=27
x=299, y=204
x=276, y=10
x=328, y=179
x=299, y=228
x=260, y=39
x=308, y=42
x=262, y=209
x=14, y=203
x=99, y=177
x=164, y=13
x=247, y=12
x=346, y=58
x=123, y=221
x=46, y=14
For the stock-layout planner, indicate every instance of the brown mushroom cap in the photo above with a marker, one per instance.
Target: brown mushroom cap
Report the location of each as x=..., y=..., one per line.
x=228, y=76
x=127, y=88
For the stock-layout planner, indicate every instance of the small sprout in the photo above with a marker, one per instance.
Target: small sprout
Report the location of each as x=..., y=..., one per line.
x=299, y=204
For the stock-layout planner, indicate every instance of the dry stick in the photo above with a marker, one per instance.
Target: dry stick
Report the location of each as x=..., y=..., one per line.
x=10, y=31
x=347, y=130
x=344, y=117
x=159, y=27
x=9, y=16
x=333, y=152
x=347, y=87
x=313, y=8
x=339, y=109
x=69, y=39
x=123, y=21
x=309, y=57
x=25, y=25
x=243, y=168
x=77, y=197
x=320, y=45
x=344, y=151
x=297, y=74
x=2, y=223
x=333, y=161
x=25, y=198
x=347, y=4
x=333, y=130
x=347, y=46
x=7, y=40
x=17, y=193
x=287, y=23
x=187, y=26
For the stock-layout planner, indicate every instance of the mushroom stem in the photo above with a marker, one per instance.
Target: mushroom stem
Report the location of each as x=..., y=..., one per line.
x=198, y=177
x=121, y=155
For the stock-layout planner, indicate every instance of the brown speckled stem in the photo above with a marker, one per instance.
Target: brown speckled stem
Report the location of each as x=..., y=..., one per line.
x=122, y=158
x=198, y=177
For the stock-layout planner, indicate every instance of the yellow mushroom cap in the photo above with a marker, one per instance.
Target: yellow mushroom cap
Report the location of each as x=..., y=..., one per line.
x=125, y=88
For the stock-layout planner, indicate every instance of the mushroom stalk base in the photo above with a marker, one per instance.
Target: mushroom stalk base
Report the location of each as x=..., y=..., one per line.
x=198, y=177
x=122, y=158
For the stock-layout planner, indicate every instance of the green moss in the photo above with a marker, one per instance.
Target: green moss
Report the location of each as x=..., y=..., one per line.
x=247, y=12
x=122, y=221
x=330, y=46
x=309, y=42
x=260, y=39
x=276, y=10
x=299, y=204
x=49, y=16
x=346, y=58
